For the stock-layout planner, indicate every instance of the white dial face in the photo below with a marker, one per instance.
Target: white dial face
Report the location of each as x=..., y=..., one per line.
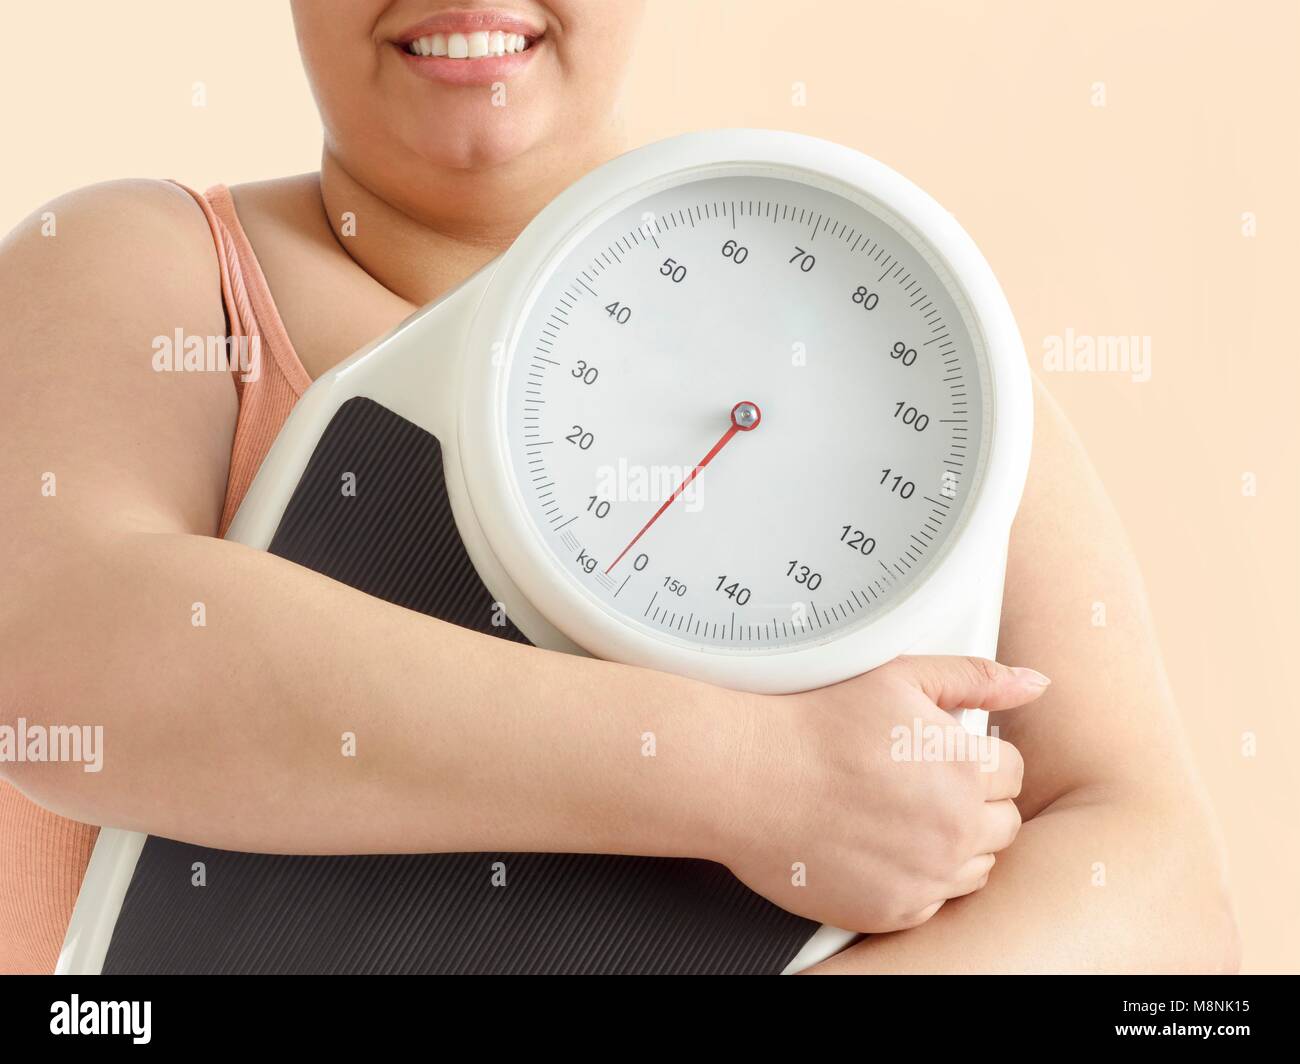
x=745, y=413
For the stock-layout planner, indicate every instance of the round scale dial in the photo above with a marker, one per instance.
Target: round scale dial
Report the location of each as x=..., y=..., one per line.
x=746, y=412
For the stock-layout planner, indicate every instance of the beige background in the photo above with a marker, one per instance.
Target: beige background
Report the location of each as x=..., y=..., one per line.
x=1122, y=219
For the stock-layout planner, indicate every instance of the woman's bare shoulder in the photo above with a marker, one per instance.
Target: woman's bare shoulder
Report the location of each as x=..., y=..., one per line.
x=114, y=219
x=111, y=253
x=96, y=285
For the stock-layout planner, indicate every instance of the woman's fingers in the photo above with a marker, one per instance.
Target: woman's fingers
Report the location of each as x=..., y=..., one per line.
x=973, y=875
x=1002, y=769
x=999, y=825
x=969, y=683
x=916, y=919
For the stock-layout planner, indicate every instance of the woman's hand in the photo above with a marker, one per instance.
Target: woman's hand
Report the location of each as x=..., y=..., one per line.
x=870, y=806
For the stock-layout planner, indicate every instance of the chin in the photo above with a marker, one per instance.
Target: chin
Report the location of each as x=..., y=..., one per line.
x=477, y=141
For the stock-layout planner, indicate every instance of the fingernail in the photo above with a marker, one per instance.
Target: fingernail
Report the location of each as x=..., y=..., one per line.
x=1031, y=677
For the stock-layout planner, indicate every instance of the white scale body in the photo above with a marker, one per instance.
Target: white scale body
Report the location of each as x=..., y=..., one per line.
x=578, y=379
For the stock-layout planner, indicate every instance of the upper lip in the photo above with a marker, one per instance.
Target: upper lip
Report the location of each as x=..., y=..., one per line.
x=470, y=21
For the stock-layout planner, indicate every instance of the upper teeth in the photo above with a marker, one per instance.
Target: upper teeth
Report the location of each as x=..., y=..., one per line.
x=468, y=45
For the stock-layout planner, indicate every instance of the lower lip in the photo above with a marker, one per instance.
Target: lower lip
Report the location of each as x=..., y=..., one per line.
x=482, y=71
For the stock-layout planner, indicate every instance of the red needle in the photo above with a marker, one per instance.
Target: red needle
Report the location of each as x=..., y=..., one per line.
x=744, y=418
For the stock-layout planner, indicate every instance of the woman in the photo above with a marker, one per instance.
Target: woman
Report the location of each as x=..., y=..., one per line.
x=118, y=479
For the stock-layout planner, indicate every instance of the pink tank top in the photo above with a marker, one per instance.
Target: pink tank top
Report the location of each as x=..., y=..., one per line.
x=43, y=856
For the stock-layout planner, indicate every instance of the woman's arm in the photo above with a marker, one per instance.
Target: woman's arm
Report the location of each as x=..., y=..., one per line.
x=232, y=734
x=1117, y=866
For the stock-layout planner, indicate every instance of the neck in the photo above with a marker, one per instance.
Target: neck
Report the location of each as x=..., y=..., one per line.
x=426, y=238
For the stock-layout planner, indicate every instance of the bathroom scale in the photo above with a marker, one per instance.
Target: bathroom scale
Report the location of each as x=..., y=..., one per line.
x=743, y=405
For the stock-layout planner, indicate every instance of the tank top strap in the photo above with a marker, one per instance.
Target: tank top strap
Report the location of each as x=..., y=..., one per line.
x=269, y=377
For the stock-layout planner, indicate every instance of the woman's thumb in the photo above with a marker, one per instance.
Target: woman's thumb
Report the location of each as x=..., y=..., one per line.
x=970, y=683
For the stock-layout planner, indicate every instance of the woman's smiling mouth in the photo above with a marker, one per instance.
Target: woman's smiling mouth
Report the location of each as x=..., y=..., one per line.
x=469, y=47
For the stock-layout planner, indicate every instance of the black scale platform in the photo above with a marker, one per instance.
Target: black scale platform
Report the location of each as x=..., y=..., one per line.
x=429, y=913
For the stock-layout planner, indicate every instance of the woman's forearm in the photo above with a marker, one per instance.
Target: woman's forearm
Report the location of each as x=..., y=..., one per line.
x=1092, y=884
x=235, y=734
